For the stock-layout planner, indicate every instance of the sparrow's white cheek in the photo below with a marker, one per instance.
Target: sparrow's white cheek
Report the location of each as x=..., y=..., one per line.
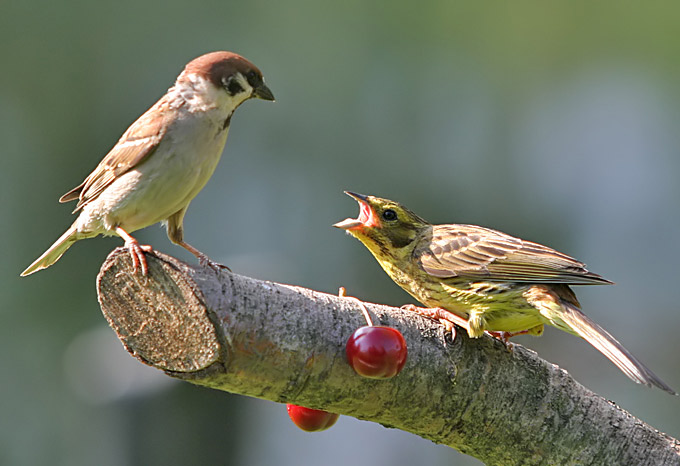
x=247, y=89
x=201, y=95
x=241, y=97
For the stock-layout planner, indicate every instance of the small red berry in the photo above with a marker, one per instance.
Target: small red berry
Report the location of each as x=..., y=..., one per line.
x=311, y=420
x=376, y=352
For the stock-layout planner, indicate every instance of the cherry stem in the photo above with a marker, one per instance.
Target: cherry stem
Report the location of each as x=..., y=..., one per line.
x=342, y=292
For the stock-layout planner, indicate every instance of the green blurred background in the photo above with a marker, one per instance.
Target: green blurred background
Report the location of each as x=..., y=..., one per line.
x=557, y=122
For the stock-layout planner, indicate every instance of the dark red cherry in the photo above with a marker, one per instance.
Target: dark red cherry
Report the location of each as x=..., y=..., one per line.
x=311, y=420
x=376, y=352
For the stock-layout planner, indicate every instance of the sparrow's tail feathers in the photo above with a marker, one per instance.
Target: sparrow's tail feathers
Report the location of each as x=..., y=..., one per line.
x=53, y=254
x=612, y=349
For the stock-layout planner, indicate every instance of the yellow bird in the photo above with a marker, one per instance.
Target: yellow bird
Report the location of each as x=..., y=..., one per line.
x=485, y=280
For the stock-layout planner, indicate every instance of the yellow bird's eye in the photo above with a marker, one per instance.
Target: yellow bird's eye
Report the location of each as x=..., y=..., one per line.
x=389, y=215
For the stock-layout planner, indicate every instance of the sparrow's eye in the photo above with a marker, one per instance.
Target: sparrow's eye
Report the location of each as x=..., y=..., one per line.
x=233, y=86
x=389, y=215
x=253, y=78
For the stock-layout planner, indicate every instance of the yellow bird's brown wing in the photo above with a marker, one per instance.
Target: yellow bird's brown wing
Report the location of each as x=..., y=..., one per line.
x=481, y=253
x=137, y=143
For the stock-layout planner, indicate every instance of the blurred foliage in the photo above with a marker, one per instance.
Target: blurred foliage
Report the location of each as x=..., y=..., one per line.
x=556, y=122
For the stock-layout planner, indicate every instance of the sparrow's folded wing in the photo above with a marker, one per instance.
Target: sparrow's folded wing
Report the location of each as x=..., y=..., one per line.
x=480, y=253
x=136, y=145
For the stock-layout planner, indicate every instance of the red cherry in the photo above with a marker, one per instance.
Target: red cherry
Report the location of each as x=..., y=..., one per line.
x=376, y=352
x=311, y=420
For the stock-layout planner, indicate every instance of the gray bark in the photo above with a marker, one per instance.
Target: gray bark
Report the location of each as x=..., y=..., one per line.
x=287, y=344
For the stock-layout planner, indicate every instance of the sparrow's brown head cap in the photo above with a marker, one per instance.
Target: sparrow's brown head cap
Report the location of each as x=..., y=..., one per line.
x=220, y=68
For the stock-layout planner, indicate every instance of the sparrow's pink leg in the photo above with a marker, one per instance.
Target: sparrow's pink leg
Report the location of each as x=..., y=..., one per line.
x=136, y=251
x=202, y=258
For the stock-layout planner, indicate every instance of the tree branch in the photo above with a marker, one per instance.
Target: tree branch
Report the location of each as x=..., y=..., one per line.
x=287, y=344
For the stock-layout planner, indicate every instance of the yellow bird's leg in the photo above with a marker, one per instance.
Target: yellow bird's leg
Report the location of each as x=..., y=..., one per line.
x=447, y=318
x=505, y=336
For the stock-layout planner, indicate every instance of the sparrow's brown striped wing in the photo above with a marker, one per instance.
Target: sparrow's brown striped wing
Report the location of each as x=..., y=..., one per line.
x=136, y=145
x=480, y=253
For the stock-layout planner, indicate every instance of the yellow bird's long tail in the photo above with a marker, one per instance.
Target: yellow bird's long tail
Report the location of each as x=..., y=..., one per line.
x=606, y=344
x=53, y=254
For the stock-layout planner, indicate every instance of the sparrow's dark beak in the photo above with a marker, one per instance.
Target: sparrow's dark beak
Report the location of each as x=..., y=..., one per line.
x=263, y=92
x=364, y=215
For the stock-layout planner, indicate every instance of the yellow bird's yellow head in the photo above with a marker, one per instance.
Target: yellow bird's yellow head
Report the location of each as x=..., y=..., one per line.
x=385, y=227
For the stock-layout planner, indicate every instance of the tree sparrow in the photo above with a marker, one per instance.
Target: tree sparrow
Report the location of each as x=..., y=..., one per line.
x=163, y=160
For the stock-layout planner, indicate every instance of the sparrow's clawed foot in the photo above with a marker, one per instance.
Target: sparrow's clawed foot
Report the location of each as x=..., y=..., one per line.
x=204, y=260
x=136, y=251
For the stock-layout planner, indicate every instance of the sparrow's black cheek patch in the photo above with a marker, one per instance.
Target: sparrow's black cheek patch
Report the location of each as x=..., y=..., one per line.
x=233, y=87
